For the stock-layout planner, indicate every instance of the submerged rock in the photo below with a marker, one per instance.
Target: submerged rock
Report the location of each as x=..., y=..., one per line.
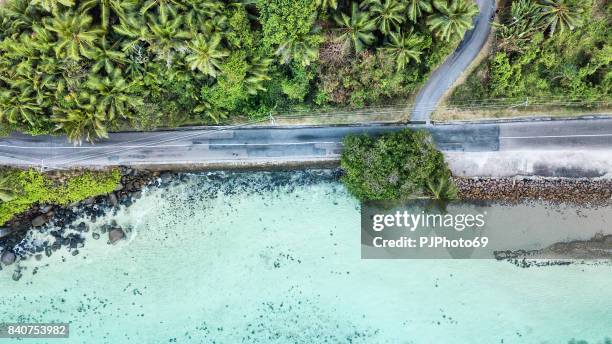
x=115, y=235
x=45, y=209
x=8, y=258
x=38, y=221
x=112, y=199
x=4, y=232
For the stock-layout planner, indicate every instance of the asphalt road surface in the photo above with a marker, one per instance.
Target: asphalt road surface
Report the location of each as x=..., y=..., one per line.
x=446, y=75
x=250, y=146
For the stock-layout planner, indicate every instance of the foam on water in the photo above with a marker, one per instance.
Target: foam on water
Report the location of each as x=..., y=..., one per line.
x=275, y=258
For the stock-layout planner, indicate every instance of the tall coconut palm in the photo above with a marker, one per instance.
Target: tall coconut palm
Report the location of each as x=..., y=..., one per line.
x=53, y=5
x=205, y=16
x=134, y=31
x=165, y=7
x=324, y=5
x=76, y=37
x=106, y=56
x=19, y=107
x=114, y=95
x=356, y=30
x=166, y=36
x=205, y=110
x=299, y=50
x=105, y=7
x=83, y=121
x=525, y=22
x=451, y=19
x=404, y=48
x=16, y=15
x=561, y=14
x=416, y=8
x=257, y=74
x=387, y=14
x=442, y=188
x=206, y=54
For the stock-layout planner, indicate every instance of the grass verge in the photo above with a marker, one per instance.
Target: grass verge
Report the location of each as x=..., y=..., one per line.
x=25, y=188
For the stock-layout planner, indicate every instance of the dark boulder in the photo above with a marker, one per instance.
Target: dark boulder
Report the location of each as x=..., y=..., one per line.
x=115, y=235
x=112, y=199
x=8, y=258
x=38, y=221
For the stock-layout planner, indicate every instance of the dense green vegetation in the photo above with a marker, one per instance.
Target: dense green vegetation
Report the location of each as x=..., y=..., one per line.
x=396, y=166
x=19, y=190
x=83, y=67
x=548, y=49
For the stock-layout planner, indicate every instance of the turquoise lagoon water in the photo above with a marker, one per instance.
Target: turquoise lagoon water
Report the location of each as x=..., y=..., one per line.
x=235, y=260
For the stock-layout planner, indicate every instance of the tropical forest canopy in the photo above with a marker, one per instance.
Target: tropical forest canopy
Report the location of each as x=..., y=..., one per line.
x=86, y=67
x=551, y=49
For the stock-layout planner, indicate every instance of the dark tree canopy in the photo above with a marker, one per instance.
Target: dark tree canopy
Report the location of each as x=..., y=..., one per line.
x=395, y=166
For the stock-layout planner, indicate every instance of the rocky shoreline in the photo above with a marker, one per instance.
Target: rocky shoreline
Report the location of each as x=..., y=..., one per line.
x=68, y=234
x=578, y=191
x=584, y=192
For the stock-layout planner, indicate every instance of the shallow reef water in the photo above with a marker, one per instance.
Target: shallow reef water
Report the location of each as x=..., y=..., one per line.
x=274, y=257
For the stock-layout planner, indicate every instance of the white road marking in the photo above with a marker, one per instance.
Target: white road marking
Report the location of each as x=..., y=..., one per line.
x=183, y=145
x=554, y=136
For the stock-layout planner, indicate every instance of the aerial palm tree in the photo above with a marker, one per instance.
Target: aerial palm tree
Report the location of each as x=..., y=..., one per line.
x=205, y=16
x=19, y=107
x=39, y=85
x=416, y=8
x=15, y=16
x=257, y=74
x=326, y=4
x=525, y=22
x=298, y=50
x=205, y=109
x=404, y=48
x=133, y=29
x=442, y=188
x=165, y=7
x=52, y=5
x=206, y=54
x=562, y=14
x=166, y=36
x=83, y=121
x=118, y=7
x=75, y=35
x=114, y=95
x=387, y=14
x=356, y=30
x=451, y=20
x=106, y=56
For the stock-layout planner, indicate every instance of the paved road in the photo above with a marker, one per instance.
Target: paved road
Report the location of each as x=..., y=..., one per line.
x=251, y=146
x=446, y=75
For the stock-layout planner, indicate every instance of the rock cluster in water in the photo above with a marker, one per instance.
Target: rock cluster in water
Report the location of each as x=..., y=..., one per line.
x=599, y=247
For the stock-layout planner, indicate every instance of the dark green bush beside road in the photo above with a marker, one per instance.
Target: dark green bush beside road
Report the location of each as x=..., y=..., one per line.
x=86, y=67
x=396, y=166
